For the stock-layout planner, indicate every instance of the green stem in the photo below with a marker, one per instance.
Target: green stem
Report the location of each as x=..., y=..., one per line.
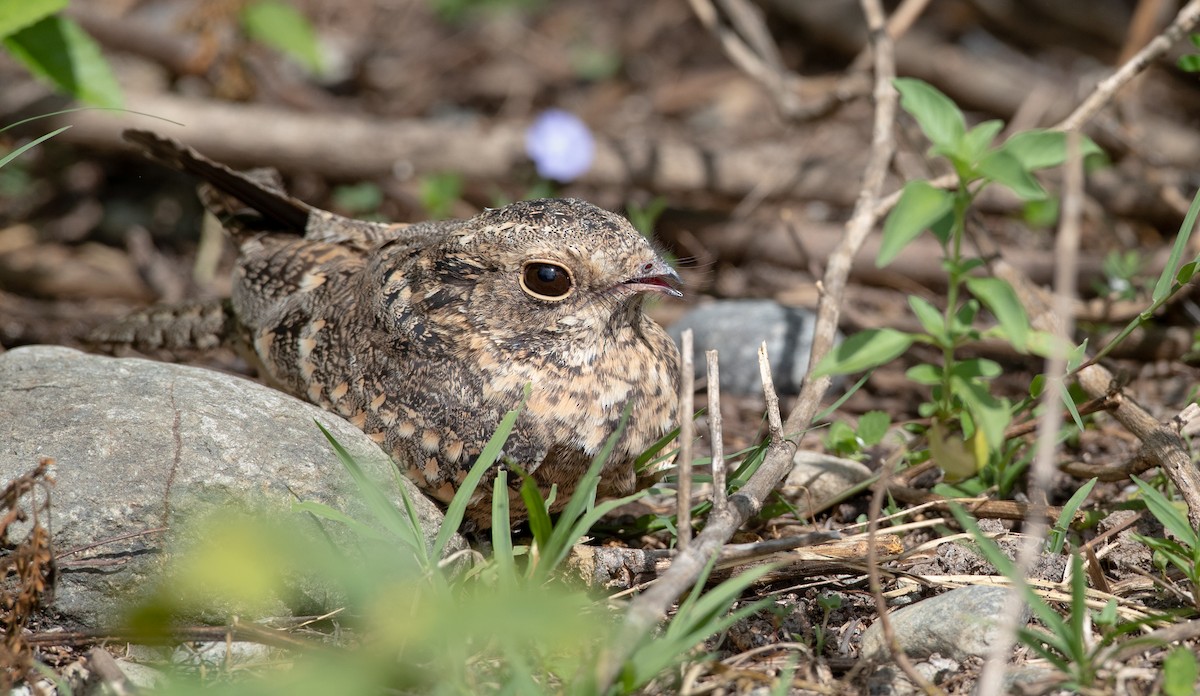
x=962, y=200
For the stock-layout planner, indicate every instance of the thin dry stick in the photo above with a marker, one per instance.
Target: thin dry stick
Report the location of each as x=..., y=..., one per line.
x=720, y=498
x=885, y=623
x=650, y=607
x=683, y=461
x=1042, y=472
x=762, y=65
x=774, y=420
x=1184, y=22
x=898, y=24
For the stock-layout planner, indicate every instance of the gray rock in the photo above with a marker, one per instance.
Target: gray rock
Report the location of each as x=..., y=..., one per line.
x=735, y=328
x=140, y=445
x=957, y=624
x=816, y=477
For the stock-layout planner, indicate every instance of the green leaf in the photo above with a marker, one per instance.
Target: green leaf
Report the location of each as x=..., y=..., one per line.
x=1040, y=213
x=1186, y=272
x=1179, y=673
x=1171, y=518
x=872, y=426
x=439, y=193
x=282, y=27
x=999, y=297
x=1058, y=535
x=1039, y=149
x=1003, y=168
x=18, y=14
x=57, y=50
x=924, y=374
x=920, y=206
x=864, y=350
x=977, y=140
x=938, y=116
x=931, y=319
x=943, y=228
x=990, y=414
x=358, y=199
x=964, y=319
x=1189, y=63
x=972, y=368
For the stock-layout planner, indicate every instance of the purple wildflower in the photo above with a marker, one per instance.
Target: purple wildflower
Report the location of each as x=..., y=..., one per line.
x=560, y=145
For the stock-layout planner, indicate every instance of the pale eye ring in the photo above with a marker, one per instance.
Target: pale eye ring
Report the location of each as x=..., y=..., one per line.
x=547, y=280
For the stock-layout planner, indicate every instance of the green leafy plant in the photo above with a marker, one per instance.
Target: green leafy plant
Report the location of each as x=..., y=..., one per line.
x=846, y=441
x=281, y=26
x=439, y=193
x=57, y=50
x=1058, y=534
x=1120, y=274
x=361, y=200
x=1180, y=673
x=968, y=420
x=418, y=619
x=828, y=603
x=1183, y=551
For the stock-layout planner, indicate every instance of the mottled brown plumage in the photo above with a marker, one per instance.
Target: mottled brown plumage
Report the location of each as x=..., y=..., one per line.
x=425, y=335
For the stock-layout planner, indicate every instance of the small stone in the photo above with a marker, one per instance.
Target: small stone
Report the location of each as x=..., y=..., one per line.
x=816, y=477
x=958, y=624
x=735, y=328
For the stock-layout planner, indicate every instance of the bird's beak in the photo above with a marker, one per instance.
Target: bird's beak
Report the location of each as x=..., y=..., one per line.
x=656, y=276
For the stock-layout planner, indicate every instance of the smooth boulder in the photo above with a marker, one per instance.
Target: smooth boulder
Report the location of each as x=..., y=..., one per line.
x=141, y=446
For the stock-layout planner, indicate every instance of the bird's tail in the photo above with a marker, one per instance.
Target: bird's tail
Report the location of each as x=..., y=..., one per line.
x=243, y=201
x=179, y=330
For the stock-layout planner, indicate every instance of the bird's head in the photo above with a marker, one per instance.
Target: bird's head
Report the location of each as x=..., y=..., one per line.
x=554, y=269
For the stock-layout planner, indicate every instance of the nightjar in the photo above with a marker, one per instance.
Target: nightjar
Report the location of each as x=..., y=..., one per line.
x=424, y=335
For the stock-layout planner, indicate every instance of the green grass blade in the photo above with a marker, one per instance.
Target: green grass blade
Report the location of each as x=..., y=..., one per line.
x=539, y=511
x=1063, y=525
x=502, y=549
x=27, y=146
x=1078, y=634
x=991, y=551
x=376, y=502
x=1166, y=513
x=562, y=537
x=322, y=510
x=1167, y=277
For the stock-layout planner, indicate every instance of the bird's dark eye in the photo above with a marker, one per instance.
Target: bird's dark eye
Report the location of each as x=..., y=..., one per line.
x=546, y=281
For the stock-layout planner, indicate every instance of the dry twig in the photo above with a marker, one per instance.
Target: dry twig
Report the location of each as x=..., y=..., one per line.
x=648, y=608
x=716, y=439
x=1184, y=22
x=1050, y=421
x=683, y=461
